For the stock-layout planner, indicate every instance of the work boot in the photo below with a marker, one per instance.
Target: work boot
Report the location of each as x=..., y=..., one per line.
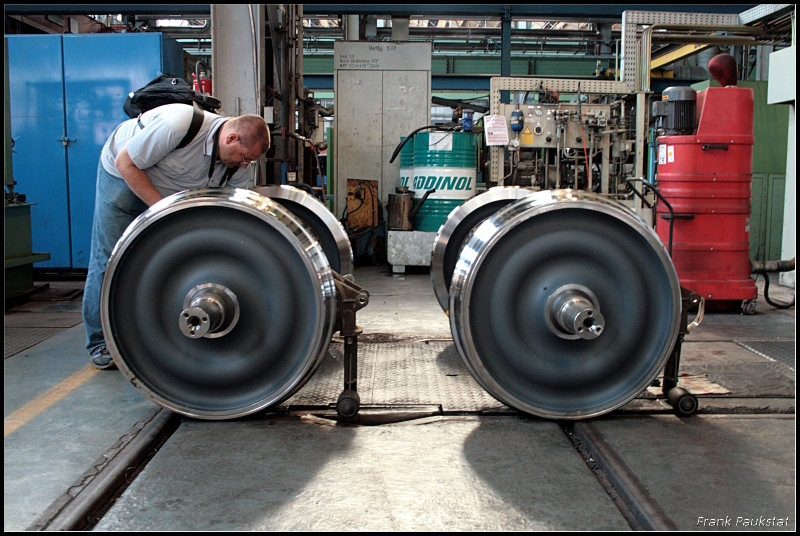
x=102, y=360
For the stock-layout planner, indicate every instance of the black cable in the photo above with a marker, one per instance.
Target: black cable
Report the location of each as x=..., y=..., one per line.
x=309, y=190
x=766, y=294
x=411, y=136
x=515, y=173
x=354, y=210
x=664, y=200
x=372, y=199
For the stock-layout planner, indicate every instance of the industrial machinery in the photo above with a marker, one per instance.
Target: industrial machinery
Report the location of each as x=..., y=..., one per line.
x=363, y=220
x=704, y=177
x=705, y=172
x=218, y=303
x=577, y=134
x=562, y=304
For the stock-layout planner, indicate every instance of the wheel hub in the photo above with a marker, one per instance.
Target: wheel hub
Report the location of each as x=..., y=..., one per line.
x=209, y=310
x=573, y=312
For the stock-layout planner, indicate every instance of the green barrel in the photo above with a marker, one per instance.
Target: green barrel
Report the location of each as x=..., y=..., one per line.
x=446, y=161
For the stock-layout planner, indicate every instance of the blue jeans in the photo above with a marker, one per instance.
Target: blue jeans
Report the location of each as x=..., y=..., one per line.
x=115, y=207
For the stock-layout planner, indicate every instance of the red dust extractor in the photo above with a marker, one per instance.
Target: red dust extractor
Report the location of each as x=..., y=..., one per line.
x=706, y=172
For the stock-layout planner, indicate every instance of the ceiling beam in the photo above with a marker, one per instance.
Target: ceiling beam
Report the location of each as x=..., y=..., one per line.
x=676, y=55
x=557, y=11
x=100, y=9
x=595, y=12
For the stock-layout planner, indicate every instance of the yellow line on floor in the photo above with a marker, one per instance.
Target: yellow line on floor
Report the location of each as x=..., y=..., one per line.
x=45, y=400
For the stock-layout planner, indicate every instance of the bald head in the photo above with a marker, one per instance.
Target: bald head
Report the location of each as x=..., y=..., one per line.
x=253, y=132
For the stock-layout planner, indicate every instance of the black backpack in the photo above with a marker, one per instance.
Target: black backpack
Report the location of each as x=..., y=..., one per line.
x=167, y=89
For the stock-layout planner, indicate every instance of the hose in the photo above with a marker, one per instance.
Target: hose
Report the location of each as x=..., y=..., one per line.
x=410, y=136
x=777, y=305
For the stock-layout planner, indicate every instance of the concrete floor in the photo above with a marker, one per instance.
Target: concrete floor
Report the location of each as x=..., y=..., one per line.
x=468, y=470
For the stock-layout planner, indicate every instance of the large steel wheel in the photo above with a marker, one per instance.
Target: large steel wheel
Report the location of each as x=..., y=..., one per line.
x=564, y=305
x=458, y=227
x=218, y=303
x=327, y=229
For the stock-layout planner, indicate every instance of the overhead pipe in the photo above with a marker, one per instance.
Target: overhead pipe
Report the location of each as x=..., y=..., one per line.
x=746, y=35
x=471, y=33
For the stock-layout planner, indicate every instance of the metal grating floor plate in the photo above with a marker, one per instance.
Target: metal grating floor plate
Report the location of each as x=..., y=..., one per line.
x=782, y=355
x=409, y=373
x=431, y=373
x=15, y=340
x=720, y=328
x=26, y=319
x=748, y=379
x=58, y=294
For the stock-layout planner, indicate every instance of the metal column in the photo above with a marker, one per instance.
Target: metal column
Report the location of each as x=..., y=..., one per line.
x=237, y=54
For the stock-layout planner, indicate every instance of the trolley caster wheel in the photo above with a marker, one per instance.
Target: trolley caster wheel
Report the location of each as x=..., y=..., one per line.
x=749, y=307
x=683, y=402
x=348, y=404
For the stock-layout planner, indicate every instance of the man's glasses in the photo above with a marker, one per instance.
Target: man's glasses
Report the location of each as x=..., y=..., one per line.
x=245, y=162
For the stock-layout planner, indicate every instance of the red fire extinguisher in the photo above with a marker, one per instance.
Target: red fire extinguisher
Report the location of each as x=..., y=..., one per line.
x=200, y=74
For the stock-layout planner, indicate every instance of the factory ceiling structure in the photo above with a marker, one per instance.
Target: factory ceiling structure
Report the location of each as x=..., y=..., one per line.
x=467, y=41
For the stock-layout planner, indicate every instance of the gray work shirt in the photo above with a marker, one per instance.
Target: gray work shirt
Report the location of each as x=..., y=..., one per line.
x=152, y=149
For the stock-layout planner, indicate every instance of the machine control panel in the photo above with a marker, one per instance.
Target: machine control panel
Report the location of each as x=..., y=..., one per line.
x=564, y=125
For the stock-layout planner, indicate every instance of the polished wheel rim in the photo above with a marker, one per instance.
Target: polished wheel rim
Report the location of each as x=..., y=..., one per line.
x=457, y=229
x=326, y=228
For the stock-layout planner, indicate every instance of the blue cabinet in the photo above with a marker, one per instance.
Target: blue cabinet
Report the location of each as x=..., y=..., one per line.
x=67, y=93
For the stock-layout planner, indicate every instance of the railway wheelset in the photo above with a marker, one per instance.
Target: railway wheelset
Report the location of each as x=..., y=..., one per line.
x=218, y=303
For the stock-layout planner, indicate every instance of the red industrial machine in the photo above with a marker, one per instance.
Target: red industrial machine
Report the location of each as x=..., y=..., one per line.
x=706, y=173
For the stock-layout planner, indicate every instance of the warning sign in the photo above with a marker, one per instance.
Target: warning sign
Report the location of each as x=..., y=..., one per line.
x=527, y=136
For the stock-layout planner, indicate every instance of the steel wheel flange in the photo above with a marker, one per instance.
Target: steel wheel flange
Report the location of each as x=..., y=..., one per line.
x=316, y=215
x=458, y=227
x=526, y=281
x=246, y=267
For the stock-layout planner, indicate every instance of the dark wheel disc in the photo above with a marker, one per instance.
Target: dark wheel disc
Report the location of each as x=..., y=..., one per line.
x=280, y=287
x=502, y=302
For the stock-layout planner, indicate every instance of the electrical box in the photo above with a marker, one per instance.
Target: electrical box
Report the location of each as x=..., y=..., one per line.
x=362, y=196
x=382, y=92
